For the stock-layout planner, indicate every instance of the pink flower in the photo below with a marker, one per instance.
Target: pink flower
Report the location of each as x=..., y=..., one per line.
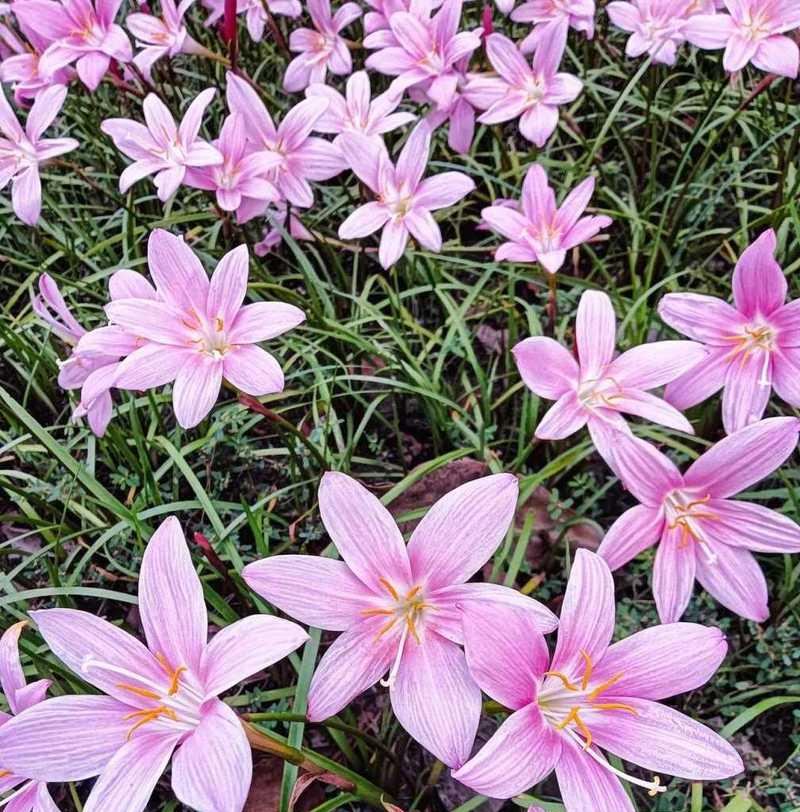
x=199, y=332
x=30, y=796
x=161, y=148
x=273, y=236
x=426, y=50
x=404, y=201
x=160, y=36
x=656, y=27
x=589, y=697
x=577, y=14
x=753, y=31
x=752, y=346
x=399, y=607
x=161, y=701
x=701, y=532
x=22, y=151
x=255, y=14
x=542, y=232
x=240, y=181
x=597, y=389
x=358, y=112
x=532, y=94
x=80, y=32
x=321, y=49
x=91, y=367
x=301, y=156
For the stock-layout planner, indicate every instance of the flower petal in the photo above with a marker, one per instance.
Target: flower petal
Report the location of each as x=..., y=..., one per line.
x=702, y=318
x=253, y=370
x=261, y=321
x=748, y=385
x=635, y=530
x=563, y=418
x=656, y=410
x=459, y=533
x=228, y=287
x=595, y=332
x=196, y=389
x=656, y=363
x=150, y=366
x=585, y=785
x=177, y=271
x=546, y=367
x=759, y=286
x=754, y=527
x=673, y=574
x=735, y=579
x=701, y=381
x=647, y=473
x=443, y=190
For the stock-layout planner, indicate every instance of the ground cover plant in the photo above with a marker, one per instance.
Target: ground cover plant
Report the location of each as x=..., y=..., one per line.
x=399, y=405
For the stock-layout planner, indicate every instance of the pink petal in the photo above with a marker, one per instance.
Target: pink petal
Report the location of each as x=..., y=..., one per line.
x=443, y=190
x=130, y=777
x=214, y=766
x=701, y=381
x=424, y=229
x=538, y=123
x=264, y=320
x=506, y=221
x=85, y=644
x=754, y=527
x=634, y=531
x=364, y=156
x=193, y=117
x=656, y=363
x=298, y=123
x=522, y=752
x=127, y=284
x=643, y=404
x=46, y=107
x=538, y=197
x=748, y=385
x=26, y=195
x=507, y=60
x=228, y=287
x=563, y=418
x=196, y=389
x=736, y=581
x=739, y=50
x=550, y=48
x=393, y=243
x=171, y=603
x=786, y=321
x=92, y=68
x=319, y=591
x=575, y=203
x=662, y=739
x=546, y=367
x=458, y=535
x=595, y=333
x=786, y=375
x=356, y=660
x=12, y=679
x=708, y=30
x=647, y=473
x=320, y=159
x=177, y=271
x=150, y=366
x=154, y=321
x=159, y=120
x=759, y=286
x=415, y=38
x=585, y=785
x=253, y=370
x=435, y=699
x=244, y=100
x=506, y=653
x=703, y=318
x=364, y=220
x=590, y=584
x=82, y=735
x=673, y=574
x=623, y=15
x=745, y=457
x=663, y=661
x=364, y=532
x=413, y=158
x=778, y=54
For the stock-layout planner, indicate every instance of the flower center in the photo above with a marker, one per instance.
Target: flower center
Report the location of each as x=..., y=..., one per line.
x=758, y=337
x=756, y=27
x=687, y=512
x=209, y=336
x=562, y=701
x=534, y=90
x=596, y=393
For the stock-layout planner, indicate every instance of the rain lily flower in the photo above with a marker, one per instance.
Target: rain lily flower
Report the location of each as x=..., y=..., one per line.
x=404, y=200
x=240, y=181
x=399, y=607
x=276, y=216
x=81, y=32
x=320, y=49
x=161, y=36
x=426, y=51
x=656, y=27
x=701, y=532
x=377, y=20
x=753, y=31
x=199, y=332
x=577, y=14
x=752, y=346
x=161, y=148
x=542, y=232
x=301, y=157
x=255, y=13
x=29, y=796
x=91, y=367
x=161, y=701
x=597, y=389
x=357, y=111
x=591, y=697
x=22, y=151
x=531, y=93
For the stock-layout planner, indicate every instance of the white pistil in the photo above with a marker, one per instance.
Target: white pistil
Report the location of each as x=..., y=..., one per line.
x=392, y=678
x=763, y=381
x=23, y=789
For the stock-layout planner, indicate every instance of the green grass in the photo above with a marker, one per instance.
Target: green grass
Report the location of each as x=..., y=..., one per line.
x=389, y=379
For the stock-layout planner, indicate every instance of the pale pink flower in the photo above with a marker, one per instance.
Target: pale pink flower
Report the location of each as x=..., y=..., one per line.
x=322, y=48
x=80, y=32
x=382, y=11
x=404, y=201
x=597, y=389
x=426, y=51
x=161, y=148
x=357, y=111
x=159, y=703
x=23, y=150
x=240, y=181
x=160, y=36
x=255, y=14
x=592, y=696
x=301, y=157
x=199, y=333
x=656, y=27
x=273, y=235
x=702, y=533
x=530, y=93
x=540, y=231
x=754, y=31
x=577, y=14
x=399, y=607
x=753, y=346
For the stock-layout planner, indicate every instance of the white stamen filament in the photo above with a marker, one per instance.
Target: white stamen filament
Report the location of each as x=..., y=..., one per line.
x=763, y=381
x=392, y=678
x=24, y=788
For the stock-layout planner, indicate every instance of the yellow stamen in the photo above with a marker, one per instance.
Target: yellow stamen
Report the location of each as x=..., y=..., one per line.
x=575, y=716
x=587, y=669
x=148, y=715
x=412, y=627
x=603, y=687
x=376, y=612
x=389, y=588
x=5, y=773
x=615, y=706
x=138, y=691
x=219, y=324
x=176, y=678
x=567, y=684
